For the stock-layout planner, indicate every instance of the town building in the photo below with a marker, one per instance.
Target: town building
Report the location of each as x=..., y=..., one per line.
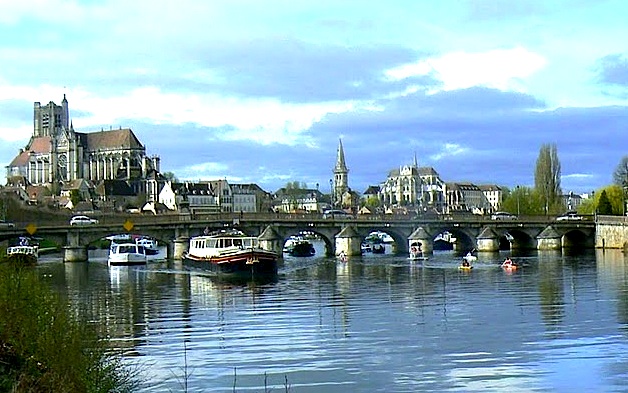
x=214, y=196
x=299, y=201
x=57, y=154
x=477, y=199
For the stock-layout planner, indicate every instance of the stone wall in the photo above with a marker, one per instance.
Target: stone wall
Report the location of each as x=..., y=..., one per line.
x=611, y=232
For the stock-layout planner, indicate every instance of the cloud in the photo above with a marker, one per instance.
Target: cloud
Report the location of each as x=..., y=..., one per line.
x=205, y=170
x=449, y=150
x=613, y=70
x=503, y=69
x=262, y=120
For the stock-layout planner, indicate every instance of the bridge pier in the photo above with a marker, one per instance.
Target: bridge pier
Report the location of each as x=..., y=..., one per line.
x=349, y=242
x=421, y=237
x=270, y=240
x=181, y=246
x=487, y=240
x=549, y=239
x=74, y=254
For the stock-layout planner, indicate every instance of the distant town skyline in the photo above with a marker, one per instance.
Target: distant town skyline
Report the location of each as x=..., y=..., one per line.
x=262, y=92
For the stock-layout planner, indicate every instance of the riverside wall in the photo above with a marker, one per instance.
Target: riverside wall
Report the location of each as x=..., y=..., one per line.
x=611, y=232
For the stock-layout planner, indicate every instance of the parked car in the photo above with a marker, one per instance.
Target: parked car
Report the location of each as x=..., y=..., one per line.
x=82, y=220
x=569, y=216
x=6, y=224
x=335, y=213
x=503, y=216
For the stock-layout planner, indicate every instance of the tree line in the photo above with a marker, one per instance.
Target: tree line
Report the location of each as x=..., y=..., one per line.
x=546, y=197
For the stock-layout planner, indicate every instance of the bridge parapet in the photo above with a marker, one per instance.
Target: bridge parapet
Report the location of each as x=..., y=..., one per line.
x=167, y=228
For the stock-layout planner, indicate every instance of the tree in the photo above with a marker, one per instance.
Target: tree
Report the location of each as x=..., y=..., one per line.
x=547, y=179
x=604, y=205
x=523, y=201
x=613, y=194
x=170, y=177
x=75, y=197
x=620, y=176
x=372, y=202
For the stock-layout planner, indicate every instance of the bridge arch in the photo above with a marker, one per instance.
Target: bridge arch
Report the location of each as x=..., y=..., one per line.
x=399, y=237
x=465, y=237
x=328, y=237
x=518, y=240
x=577, y=239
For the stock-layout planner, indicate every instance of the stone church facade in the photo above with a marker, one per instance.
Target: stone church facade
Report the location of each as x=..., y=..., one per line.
x=56, y=154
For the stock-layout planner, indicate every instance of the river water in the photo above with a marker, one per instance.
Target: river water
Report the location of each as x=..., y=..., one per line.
x=376, y=323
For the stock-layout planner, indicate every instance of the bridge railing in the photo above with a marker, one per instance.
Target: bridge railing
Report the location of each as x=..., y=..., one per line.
x=603, y=219
x=233, y=217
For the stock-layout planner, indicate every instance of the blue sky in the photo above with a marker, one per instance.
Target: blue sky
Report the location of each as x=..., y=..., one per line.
x=262, y=91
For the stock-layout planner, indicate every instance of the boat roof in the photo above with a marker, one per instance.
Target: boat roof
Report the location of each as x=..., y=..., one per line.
x=223, y=233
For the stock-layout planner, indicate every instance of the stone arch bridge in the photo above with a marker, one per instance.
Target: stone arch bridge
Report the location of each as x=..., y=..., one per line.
x=339, y=234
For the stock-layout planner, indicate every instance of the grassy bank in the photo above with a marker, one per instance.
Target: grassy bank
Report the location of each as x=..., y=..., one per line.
x=44, y=347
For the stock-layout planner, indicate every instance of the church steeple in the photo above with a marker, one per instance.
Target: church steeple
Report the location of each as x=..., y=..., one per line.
x=341, y=177
x=340, y=159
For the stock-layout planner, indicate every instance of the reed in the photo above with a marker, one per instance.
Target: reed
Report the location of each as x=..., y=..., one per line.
x=45, y=347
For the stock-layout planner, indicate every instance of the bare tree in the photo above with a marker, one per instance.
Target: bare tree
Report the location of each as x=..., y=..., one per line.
x=620, y=176
x=547, y=178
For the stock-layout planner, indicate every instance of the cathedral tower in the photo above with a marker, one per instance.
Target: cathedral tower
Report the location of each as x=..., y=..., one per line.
x=341, y=177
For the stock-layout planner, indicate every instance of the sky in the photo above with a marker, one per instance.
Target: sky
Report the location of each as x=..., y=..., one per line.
x=263, y=91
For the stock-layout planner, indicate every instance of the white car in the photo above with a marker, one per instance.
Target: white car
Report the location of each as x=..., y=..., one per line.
x=6, y=224
x=503, y=216
x=336, y=214
x=83, y=220
x=569, y=216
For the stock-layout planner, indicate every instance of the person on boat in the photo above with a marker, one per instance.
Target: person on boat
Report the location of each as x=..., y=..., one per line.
x=465, y=263
x=509, y=263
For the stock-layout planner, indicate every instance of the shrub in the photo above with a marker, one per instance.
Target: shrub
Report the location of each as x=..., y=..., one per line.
x=44, y=346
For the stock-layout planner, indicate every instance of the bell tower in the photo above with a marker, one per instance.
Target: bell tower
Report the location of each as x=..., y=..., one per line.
x=341, y=177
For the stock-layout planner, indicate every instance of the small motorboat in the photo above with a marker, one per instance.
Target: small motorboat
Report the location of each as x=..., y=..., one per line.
x=378, y=248
x=301, y=248
x=23, y=254
x=150, y=245
x=126, y=254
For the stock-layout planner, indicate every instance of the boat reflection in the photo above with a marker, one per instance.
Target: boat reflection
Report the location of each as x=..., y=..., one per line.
x=244, y=279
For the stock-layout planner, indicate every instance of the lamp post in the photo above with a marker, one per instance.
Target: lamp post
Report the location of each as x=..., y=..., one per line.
x=331, y=192
x=517, y=191
x=547, y=199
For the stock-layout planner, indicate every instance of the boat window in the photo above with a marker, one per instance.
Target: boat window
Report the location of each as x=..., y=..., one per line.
x=237, y=242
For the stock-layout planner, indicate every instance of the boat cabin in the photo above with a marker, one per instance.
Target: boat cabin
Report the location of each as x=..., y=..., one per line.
x=223, y=242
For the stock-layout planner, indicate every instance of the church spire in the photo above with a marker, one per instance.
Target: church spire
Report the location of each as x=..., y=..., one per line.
x=415, y=162
x=341, y=177
x=341, y=166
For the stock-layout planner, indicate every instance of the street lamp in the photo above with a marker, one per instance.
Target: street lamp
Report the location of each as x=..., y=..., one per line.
x=331, y=192
x=518, y=211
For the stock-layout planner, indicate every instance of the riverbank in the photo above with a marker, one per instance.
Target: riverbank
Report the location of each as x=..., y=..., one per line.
x=45, y=346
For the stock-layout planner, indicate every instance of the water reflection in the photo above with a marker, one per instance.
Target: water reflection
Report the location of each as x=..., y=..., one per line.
x=367, y=325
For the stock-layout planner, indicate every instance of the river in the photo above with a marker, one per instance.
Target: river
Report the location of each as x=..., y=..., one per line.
x=377, y=323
